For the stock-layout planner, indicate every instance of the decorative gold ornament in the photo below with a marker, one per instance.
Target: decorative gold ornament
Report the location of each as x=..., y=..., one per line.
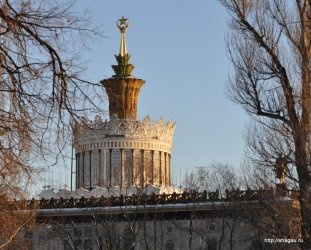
x=124, y=68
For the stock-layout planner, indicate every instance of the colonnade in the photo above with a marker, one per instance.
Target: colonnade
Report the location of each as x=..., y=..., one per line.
x=122, y=167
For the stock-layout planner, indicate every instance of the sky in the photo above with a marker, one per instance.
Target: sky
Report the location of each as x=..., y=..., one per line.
x=178, y=47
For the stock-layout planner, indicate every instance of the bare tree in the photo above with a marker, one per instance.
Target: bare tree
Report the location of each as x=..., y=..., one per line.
x=14, y=217
x=236, y=195
x=270, y=48
x=217, y=176
x=41, y=86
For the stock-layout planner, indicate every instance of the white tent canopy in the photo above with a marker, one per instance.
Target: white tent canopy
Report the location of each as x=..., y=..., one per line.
x=65, y=193
x=47, y=194
x=97, y=192
x=81, y=192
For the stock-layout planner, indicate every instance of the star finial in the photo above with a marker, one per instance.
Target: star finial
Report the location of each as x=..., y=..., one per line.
x=123, y=24
x=124, y=68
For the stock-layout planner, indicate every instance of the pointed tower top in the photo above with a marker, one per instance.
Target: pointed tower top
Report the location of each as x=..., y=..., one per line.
x=124, y=68
x=123, y=25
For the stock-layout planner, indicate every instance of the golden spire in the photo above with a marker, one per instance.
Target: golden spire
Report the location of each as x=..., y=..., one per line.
x=124, y=68
x=123, y=89
x=122, y=25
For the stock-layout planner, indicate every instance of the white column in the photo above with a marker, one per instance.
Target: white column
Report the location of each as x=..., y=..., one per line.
x=137, y=167
x=156, y=168
x=162, y=164
x=104, y=156
x=148, y=167
x=116, y=170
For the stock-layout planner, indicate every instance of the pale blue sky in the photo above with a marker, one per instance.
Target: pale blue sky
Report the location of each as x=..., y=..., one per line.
x=178, y=48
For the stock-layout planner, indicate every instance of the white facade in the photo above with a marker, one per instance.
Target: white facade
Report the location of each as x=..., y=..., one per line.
x=123, y=153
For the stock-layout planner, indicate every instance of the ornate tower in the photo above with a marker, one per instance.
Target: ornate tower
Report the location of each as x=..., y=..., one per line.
x=123, y=151
x=123, y=89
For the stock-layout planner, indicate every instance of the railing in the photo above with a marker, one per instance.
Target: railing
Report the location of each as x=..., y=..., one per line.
x=153, y=199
